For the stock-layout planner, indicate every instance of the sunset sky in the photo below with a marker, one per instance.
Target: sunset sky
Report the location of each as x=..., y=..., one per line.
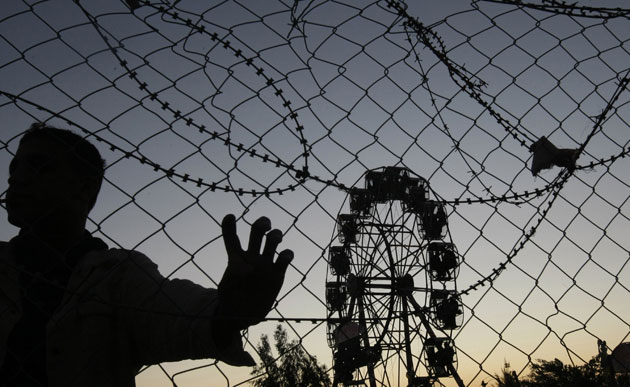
x=355, y=89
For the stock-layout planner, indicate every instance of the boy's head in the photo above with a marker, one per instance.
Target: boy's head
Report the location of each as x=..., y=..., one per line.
x=55, y=172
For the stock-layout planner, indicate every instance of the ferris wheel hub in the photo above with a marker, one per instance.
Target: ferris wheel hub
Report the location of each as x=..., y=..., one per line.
x=404, y=285
x=356, y=285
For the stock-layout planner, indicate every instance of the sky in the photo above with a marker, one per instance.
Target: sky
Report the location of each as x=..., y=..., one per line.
x=345, y=90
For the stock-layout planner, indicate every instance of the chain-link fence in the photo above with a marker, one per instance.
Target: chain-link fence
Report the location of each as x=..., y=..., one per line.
x=281, y=108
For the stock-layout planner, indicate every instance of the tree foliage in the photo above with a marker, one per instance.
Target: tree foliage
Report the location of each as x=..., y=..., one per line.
x=555, y=373
x=294, y=367
x=508, y=377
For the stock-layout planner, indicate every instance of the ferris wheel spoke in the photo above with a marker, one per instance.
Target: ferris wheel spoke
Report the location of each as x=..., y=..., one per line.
x=379, y=262
x=373, y=263
x=405, y=267
x=379, y=327
x=360, y=258
x=406, y=250
x=382, y=306
x=370, y=256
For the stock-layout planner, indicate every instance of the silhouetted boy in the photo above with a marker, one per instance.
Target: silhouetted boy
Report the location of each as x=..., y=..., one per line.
x=75, y=313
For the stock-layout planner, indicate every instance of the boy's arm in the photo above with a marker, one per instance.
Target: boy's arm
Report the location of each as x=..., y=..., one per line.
x=172, y=320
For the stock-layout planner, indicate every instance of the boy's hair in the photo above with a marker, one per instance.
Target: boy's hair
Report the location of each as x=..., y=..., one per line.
x=86, y=159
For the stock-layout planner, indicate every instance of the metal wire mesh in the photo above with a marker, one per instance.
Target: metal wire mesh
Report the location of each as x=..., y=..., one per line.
x=278, y=108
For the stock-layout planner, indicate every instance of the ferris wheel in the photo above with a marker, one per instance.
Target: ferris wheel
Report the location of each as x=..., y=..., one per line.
x=391, y=291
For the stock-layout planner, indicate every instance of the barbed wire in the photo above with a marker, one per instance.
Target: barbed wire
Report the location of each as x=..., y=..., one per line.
x=569, y=9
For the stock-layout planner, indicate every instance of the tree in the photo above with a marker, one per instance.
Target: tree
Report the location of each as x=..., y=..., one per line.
x=294, y=367
x=555, y=373
x=508, y=377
